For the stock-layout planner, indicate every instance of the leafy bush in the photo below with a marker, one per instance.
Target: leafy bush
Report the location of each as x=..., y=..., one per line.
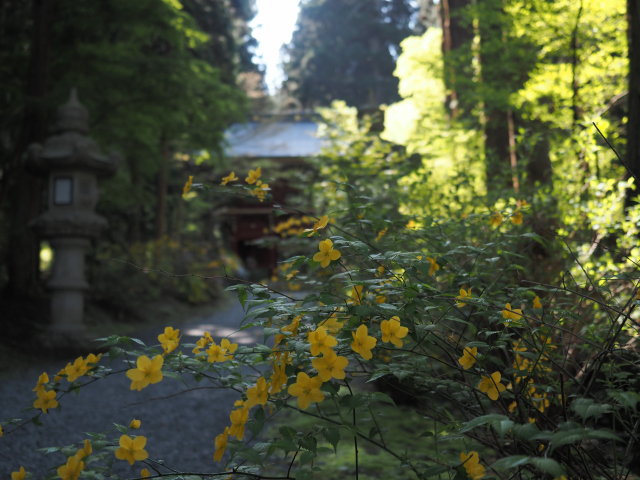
x=513, y=377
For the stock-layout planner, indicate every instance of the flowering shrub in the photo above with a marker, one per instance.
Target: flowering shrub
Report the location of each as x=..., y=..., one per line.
x=497, y=363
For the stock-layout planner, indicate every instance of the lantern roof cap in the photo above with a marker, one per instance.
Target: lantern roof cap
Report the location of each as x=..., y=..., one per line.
x=72, y=116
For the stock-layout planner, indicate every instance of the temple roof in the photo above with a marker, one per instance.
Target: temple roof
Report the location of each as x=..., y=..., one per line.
x=274, y=137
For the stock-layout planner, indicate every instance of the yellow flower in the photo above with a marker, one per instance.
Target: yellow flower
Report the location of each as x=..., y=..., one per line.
x=381, y=299
x=463, y=295
x=278, y=379
x=260, y=190
x=362, y=342
x=468, y=357
x=18, y=475
x=135, y=424
x=187, y=186
x=471, y=464
x=307, y=390
x=78, y=369
x=356, y=295
x=541, y=401
x=46, y=400
x=496, y=219
x=231, y=178
x=512, y=406
x=132, y=449
x=319, y=225
x=492, y=386
x=434, y=266
x=91, y=360
x=58, y=376
x=216, y=354
x=86, y=450
x=331, y=324
x=144, y=473
x=516, y=218
x=169, y=339
x=411, y=224
x=71, y=471
x=238, y=419
x=381, y=234
x=147, y=372
x=330, y=366
x=292, y=274
x=511, y=313
x=532, y=420
x=203, y=342
x=258, y=395
x=253, y=177
x=321, y=342
x=392, y=331
x=537, y=304
x=292, y=328
x=1, y=432
x=44, y=378
x=221, y=444
x=228, y=348
x=326, y=253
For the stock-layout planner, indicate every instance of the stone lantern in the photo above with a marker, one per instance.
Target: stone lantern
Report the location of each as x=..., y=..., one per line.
x=73, y=162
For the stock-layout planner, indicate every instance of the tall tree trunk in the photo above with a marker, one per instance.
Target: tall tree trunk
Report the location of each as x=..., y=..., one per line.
x=455, y=35
x=161, y=201
x=498, y=153
x=633, y=124
x=25, y=194
x=135, y=234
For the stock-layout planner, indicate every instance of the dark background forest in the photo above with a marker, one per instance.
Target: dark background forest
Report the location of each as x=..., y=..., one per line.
x=515, y=86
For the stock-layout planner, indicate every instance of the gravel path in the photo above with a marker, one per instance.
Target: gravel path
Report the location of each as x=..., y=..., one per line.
x=180, y=430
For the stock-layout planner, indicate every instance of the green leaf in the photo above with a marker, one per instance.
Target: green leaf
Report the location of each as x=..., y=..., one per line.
x=251, y=455
x=383, y=397
x=626, y=399
x=287, y=432
x=548, y=465
x=304, y=474
x=332, y=435
x=378, y=374
x=602, y=435
x=121, y=428
x=98, y=445
x=354, y=401
x=242, y=296
x=139, y=342
x=175, y=376
x=308, y=443
x=307, y=457
x=286, y=444
x=510, y=462
x=435, y=470
x=476, y=345
x=255, y=427
x=49, y=449
x=586, y=408
x=259, y=415
x=268, y=332
x=476, y=422
x=332, y=388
